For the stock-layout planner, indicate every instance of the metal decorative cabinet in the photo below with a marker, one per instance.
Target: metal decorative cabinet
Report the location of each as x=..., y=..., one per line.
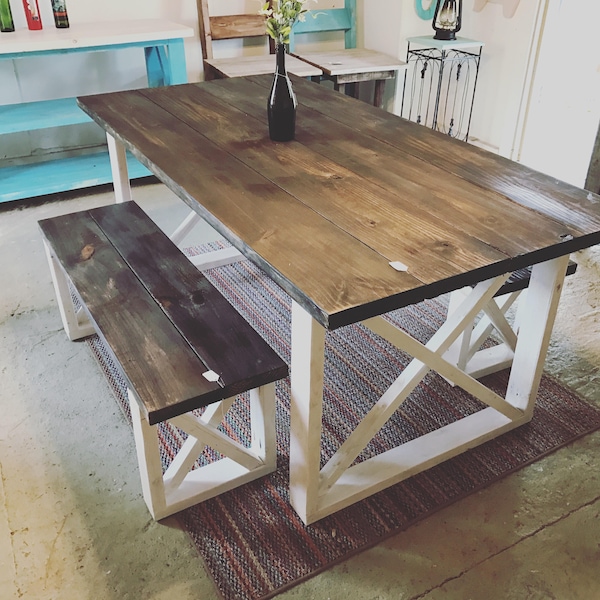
x=162, y=43
x=439, y=85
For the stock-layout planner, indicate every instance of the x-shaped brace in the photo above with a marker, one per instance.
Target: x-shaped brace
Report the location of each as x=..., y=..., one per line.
x=317, y=492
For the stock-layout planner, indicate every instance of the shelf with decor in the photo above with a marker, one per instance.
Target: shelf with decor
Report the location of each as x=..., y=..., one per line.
x=440, y=83
x=162, y=43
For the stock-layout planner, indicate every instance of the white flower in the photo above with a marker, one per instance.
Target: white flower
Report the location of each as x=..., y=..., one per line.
x=281, y=16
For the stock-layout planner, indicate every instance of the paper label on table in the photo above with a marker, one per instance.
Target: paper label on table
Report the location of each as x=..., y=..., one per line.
x=399, y=266
x=211, y=376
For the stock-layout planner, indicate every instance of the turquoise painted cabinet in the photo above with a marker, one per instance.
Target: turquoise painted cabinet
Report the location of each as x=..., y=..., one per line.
x=162, y=44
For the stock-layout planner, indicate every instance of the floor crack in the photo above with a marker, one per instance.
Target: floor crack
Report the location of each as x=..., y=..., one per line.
x=500, y=552
x=53, y=547
x=10, y=530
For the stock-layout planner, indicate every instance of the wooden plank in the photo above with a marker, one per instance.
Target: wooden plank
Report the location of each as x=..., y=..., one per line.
x=423, y=235
x=484, y=215
x=217, y=333
x=425, y=243
x=284, y=237
x=40, y=115
x=239, y=180
x=558, y=200
x=260, y=65
x=351, y=61
x=227, y=27
x=336, y=19
x=88, y=35
x=158, y=363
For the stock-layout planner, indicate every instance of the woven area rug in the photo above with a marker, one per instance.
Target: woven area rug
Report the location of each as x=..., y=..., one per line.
x=250, y=539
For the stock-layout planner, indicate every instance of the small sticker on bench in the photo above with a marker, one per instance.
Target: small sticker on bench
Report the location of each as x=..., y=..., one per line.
x=211, y=376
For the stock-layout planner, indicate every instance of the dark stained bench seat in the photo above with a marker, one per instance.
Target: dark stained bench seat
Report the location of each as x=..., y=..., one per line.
x=180, y=344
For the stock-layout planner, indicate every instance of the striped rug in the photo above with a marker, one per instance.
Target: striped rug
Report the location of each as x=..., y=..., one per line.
x=251, y=541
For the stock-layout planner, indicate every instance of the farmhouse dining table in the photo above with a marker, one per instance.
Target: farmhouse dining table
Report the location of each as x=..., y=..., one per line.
x=364, y=213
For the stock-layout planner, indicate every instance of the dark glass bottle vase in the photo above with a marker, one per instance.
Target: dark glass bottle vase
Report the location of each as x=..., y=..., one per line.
x=281, y=107
x=59, y=10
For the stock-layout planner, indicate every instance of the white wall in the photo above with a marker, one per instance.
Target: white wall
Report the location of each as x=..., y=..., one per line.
x=561, y=122
x=500, y=107
x=538, y=93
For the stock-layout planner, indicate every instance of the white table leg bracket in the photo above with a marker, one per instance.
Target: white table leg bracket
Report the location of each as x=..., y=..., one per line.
x=467, y=352
x=316, y=493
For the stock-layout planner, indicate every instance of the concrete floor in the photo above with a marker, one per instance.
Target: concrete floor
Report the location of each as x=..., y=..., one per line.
x=73, y=524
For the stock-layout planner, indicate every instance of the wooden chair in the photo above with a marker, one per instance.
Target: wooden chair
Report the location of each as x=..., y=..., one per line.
x=350, y=65
x=240, y=26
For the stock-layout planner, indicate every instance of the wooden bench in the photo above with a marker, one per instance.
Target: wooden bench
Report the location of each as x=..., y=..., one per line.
x=467, y=352
x=181, y=346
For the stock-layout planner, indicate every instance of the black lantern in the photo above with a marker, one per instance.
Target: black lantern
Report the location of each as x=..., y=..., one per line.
x=447, y=19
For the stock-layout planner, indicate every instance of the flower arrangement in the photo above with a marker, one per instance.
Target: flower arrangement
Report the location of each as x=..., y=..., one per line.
x=281, y=16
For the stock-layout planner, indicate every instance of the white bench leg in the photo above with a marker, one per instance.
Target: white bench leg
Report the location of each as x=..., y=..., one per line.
x=182, y=486
x=148, y=455
x=75, y=321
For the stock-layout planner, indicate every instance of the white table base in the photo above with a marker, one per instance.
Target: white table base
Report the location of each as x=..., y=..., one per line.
x=316, y=493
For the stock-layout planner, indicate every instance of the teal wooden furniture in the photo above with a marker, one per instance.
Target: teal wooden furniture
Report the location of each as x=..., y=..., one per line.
x=330, y=19
x=350, y=65
x=162, y=43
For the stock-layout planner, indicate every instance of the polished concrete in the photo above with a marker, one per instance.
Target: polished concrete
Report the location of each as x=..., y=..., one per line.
x=73, y=524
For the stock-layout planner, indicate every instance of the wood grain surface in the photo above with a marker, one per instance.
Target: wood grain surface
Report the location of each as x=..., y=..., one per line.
x=164, y=322
x=358, y=188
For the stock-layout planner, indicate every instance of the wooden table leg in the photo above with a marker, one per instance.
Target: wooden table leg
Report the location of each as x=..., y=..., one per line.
x=165, y=64
x=120, y=172
x=379, y=90
x=316, y=493
x=536, y=318
x=306, y=407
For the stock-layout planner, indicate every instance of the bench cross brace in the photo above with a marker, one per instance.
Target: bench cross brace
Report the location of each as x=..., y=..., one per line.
x=181, y=485
x=74, y=318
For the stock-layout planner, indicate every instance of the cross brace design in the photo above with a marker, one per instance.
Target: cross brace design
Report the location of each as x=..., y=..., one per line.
x=317, y=492
x=181, y=485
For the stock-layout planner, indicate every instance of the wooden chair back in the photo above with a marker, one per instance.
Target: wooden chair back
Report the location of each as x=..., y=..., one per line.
x=227, y=27
x=242, y=26
x=326, y=20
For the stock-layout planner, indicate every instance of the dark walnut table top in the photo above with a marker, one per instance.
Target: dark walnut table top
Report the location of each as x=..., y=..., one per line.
x=324, y=215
